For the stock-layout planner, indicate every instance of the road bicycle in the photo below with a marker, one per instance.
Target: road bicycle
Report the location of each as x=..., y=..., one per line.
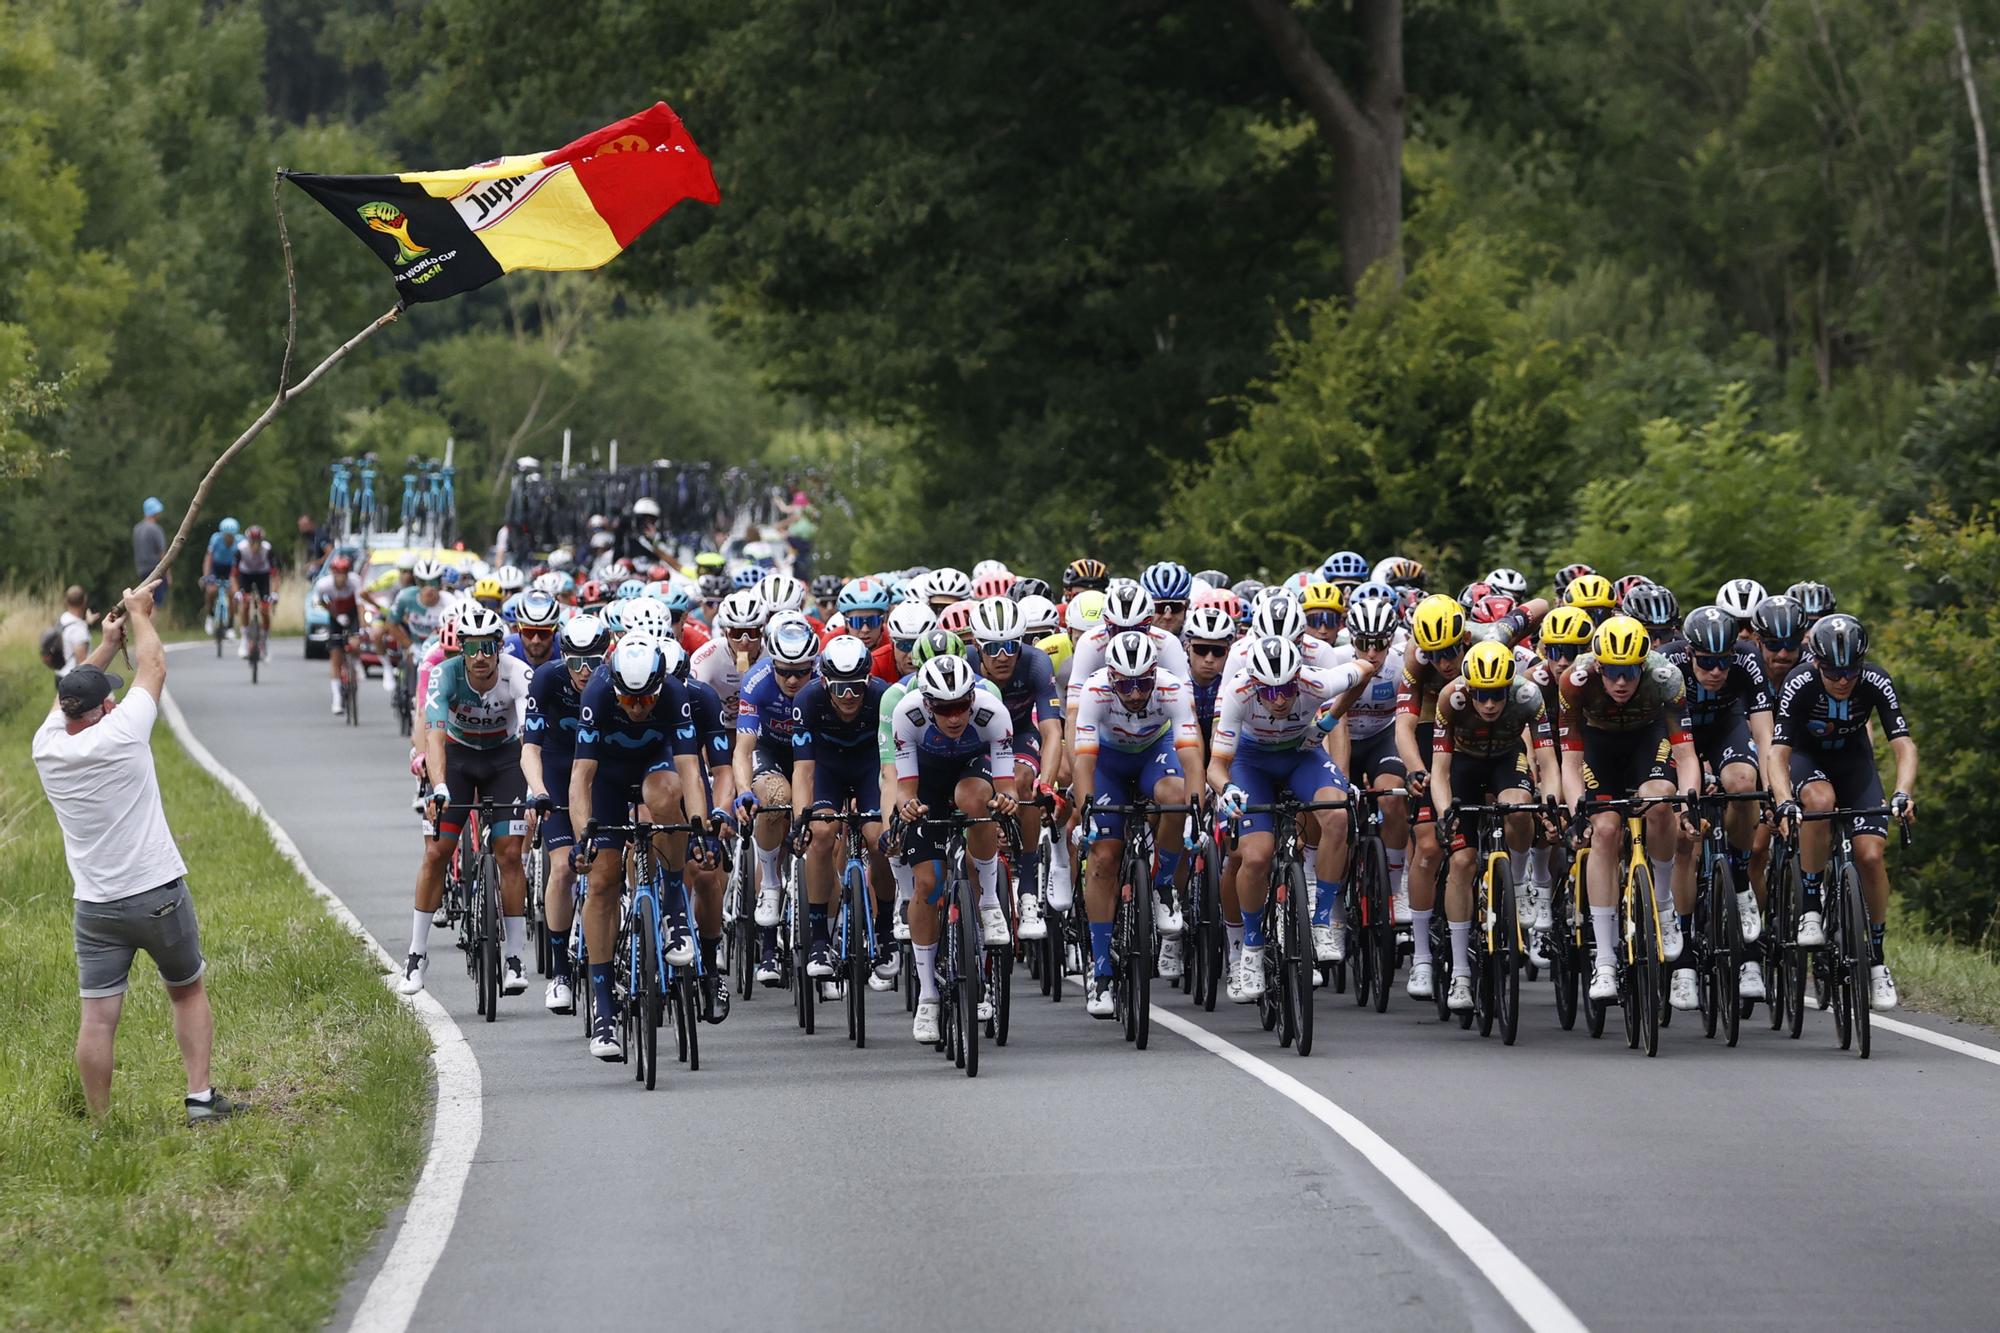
x=256, y=634
x=1369, y=918
x=1640, y=960
x=852, y=930
x=1718, y=950
x=1840, y=968
x=350, y=668
x=648, y=984
x=1496, y=949
x=1564, y=944
x=1290, y=964
x=958, y=972
x=475, y=906
x=1205, y=962
x=219, y=610
x=1134, y=941
x=404, y=700
x=1046, y=956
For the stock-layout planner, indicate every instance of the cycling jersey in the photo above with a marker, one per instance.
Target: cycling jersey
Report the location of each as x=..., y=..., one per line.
x=550, y=718
x=1661, y=694
x=1808, y=718
x=221, y=553
x=478, y=720
x=1375, y=710
x=1461, y=730
x=712, y=734
x=253, y=559
x=714, y=664
x=1203, y=698
x=894, y=695
x=338, y=600
x=609, y=736
x=409, y=614
x=882, y=662
x=1090, y=650
x=1030, y=693
x=1744, y=691
x=1103, y=719
x=764, y=709
x=989, y=733
x=691, y=634
x=1244, y=720
x=821, y=734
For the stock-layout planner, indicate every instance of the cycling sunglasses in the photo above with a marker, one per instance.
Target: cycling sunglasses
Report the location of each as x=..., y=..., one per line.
x=1491, y=694
x=904, y=645
x=1208, y=649
x=1369, y=643
x=1009, y=648
x=1561, y=652
x=480, y=647
x=1325, y=619
x=791, y=673
x=865, y=620
x=743, y=633
x=582, y=662
x=1169, y=608
x=637, y=703
x=538, y=635
x=1782, y=645
x=1839, y=673
x=952, y=707
x=1440, y=658
x=1132, y=685
x=1622, y=672
x=847, y=689
x=1713, y=662
x=1278, y=694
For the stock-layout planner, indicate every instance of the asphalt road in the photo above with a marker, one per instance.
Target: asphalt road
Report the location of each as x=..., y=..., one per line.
x=1077, y=1183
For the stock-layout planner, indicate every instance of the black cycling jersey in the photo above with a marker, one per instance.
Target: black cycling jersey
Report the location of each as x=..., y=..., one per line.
x=1745, y=690
x=1808, y=718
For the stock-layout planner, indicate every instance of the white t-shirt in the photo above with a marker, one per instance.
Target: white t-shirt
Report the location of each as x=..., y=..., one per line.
x=75, y=635
x=107, y=798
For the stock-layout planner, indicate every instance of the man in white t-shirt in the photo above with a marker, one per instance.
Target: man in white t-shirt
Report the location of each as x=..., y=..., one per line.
x=75, y=624
x=95, y=758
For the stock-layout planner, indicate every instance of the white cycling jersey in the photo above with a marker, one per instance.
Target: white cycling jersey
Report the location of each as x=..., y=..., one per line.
x=1243, y=719
x=1089, y=656
x=1374, y=712
x=916, y=734
x=714, y=665
x=1102, y=718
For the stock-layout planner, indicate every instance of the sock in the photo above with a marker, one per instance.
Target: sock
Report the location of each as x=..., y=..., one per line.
x=1604, y=925
x=1326, y=897
x=1517, y=862
x=516, y=929
x=1663, y=885
x=926, y=971
x=336, y=690
x=1253, y=928
x=988, y=872
x=1163, y=875
x=1100, y=946
x=1420, y=935
x=559, y=954
x=710, y=950
x=1686, y=920
x=600, y=986
x=1235, y=934
x=420, y=932
x=1399, y=864
x=816, y=920
x=1538, y=864
x=1030, y=861
x=1811, y=884
x=767, y=866
x=906, y=882
x=1876, y=931
x=1461, y=941
x=204, y=1097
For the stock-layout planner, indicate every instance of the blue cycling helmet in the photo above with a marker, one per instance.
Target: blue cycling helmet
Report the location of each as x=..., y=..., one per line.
x=613, y=616
x=510, y=606
x=631, y=588
x=1168, y=582
x=680, y=598
x=229, y=527
x=452, y=576
x=1373, y=588
x=863, y=594
x=747, y=577
x=1345, y=567
x=903, y=590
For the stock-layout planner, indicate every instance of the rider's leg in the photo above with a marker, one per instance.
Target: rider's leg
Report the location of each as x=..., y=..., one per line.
x=924, y=927
x=974, y=797
x=1868, y=859
x=1100, y=898
x=1458, y=906
x=1601, y=882
x=1662, y=830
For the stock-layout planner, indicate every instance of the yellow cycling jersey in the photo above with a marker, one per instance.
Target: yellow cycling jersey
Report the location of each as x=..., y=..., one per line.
x=1058, y=647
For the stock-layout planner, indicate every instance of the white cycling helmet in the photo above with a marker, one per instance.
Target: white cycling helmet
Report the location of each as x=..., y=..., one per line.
x=782, y=592
x=1131, y=654
x=646, y=507
x=406, y=563
x=1279, y=615
x=1039, y=615
x=648, y=615
x=583, y=636
x=510, y=578
x=1372, y=616
x=988, y=567
x=551, y=582
x=669, y=649
x=1274, y=661
x=996, y=620
x=1739, y=597
x=909, y=619
x=1084, y=612
x=537, y=610
x=945, y=679
x=845, y=659
x=1512, y=582
x=560, y=558
x=638, y=667
x=1128, y=606
x=428, y=571
x=742, y=609
x=791, y=641
x=1211, y=624
x=947, y=584
x=476, y=622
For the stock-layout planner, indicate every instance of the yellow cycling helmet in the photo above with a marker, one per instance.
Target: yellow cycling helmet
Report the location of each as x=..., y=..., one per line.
x=1083, y=612
x=1438, y=624
x=1324, y=596
x=1569, y=625
x=1489, y=666
x=1622, y=641
x=1589, y=591
x=488, y=590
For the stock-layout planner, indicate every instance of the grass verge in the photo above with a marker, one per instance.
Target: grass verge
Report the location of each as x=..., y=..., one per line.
x=141, y=1222
x=1940, y=975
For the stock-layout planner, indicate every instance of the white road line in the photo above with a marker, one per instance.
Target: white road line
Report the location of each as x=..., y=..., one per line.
x=1986, y=1053
x=1531, y=1298
x=391, y=1299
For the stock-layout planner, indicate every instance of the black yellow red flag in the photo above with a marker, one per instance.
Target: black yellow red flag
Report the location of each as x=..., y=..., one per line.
x=446, y=232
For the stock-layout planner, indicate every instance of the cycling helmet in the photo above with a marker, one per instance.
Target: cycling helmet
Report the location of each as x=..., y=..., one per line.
x=1622, y=641
x=680, y=598
x=1344, y=567
x=845, y=658
x=406, y=563
x=1509, y=581
x=710, y=562
x=992, y=585
x=1039, y=615
x=909, y=619
x=1372, y=592
x=629, y=588
x=1439, y=624
x=510, y=578
x=987, y=568
x=1400, y=572
x=1022, y=588
x=1710, y=630
x=948, y=585
x=1247, y=589
x=647, y=615
x=934, y=643
x=826, y=587
x=1651, y=605
x=229, y=527
x=1814, y=600
x=1085, y=610
x=583, y=636
x=1211, y=624
x=1375, y=618
x=742, y=609
x=1568, y=574
x=1489, y=665
x=448, y=632
x=945, y=679
x=340, y=564
x=1085, y=573
x=1131, y=654
x=560, y=558
x=1740, y=597
x=905, y=590
x=747, y=577
x=592, y=593
x=1777, y=618
x=256, y=533
x=1297, y=583
x=638, y=667
x=1214, y=578
x=552, y=583
x=1322, y=595
x=1838, y=640
x=614, y=616
x=1274, y=661
x=1568, y=626
x=537, y=610
x=1589, y=591
x=862, y=595
x=1279, y=616
x=1472, y=592
x=957, y=617
x=476, y=622
x=996, y=620
x=782, y=592
x=791, y=640
x=1625, y=584
x=1128, y=606
x=714, y=587
x=1492, y=609
x=1168, y=582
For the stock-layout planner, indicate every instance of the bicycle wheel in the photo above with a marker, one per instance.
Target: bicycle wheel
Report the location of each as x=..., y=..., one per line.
x=855, y=950
x=1299, y=954
x=747, y=942
x=1728, y=965
x=1360, y=930
x=646, y=992
x=1831, y=969
x=1647, y=944
x=1140, y=961
x=489, y=929
x=1382, y=923
x=966, y=931
x=690, y=1007
x=1507, y=955
x=1860, y=954
x=1214, y=942
x=535, y=865
x=1440, y=949
x=805, y=990
x=1565, y=951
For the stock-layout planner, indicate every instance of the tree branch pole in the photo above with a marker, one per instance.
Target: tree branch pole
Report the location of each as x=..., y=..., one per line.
x=1979, y=134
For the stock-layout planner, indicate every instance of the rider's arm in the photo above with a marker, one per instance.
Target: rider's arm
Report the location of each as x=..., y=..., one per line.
x=1905, y=750
x=1778, y=772
x=531, y=768
x=434, y=754
x=1222, y=738
x=581, y=772
x=742, y=764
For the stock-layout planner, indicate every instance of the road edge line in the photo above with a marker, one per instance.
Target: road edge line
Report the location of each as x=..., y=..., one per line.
x=413, y=1253
x=1939, y=1039
x=1531, y=1298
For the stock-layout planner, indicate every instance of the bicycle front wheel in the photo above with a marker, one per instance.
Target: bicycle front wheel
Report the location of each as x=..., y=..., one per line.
x=1506, y=954
x=1860, y=955
x=489, y=930
x=858, y=958
x=1299, y=960
x=646, y=994
x=1650, y=971
x=965, y=932
x=1140, y=961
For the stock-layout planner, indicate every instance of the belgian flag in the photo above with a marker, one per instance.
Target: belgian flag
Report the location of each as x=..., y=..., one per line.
x=446, y=232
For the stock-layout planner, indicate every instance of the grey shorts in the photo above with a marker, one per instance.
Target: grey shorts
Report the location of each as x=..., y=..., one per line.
x=159, y=921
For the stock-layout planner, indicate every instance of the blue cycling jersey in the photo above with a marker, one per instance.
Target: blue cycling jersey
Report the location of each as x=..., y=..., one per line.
x=222, y=552
x=607, y=734
x=819, y=732
x=1030, y=693
x=553, y=710
x=712, y=734
x=762, y=708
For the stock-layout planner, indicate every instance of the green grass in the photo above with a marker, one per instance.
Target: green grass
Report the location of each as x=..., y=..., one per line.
x=1940, y=975
x=141, y=1222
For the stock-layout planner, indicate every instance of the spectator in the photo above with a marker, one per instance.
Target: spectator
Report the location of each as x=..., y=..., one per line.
x=149, y=547
x=312, y=546
x=95, y=759
x=75, y=624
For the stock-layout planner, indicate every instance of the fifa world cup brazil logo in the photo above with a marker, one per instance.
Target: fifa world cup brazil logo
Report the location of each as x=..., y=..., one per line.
x=389, y=220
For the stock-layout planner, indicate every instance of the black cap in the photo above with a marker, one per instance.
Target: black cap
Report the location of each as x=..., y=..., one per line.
x=84, y=688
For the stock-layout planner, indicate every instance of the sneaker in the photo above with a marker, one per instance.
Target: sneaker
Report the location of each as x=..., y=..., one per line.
x=1682, y=993
x=925, y=1028
x=559, y=998
x=1459, y=998
x=1248, y=986
x=217, y=1107
x=1604, y=982
x=1881, y=988
x=1753, y=920
x=604, y=1043
x=1670, y=936
x=1329, y=944
x=1750, y=982
x=1170, y=960
x=414, y=968
x=1167, y=921
x=1421, y=985
x=714, y=997
x=820, y=962
x=1032, y=927
x=993, y=927
x=767, y=907
x=900, y=931
x=513, y=977
x=1097, y=997
x=768, y=971
x=1812, y=931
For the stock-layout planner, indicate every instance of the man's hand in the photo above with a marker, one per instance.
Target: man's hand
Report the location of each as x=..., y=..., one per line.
x=539, y=802
x=1418, y=783
x=436, y=802
x=747, y=803
x=1904, y=807
x=911, y=809
x=134, y=602
x=1004, y=803
x=1788, y=818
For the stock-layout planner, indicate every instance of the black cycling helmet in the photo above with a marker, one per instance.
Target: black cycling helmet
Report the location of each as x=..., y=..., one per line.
x=715, y=587
x=1777, y=618
x=1814, y=600
x=1567, y=573
x=1710, y=630
x=1247, y=589
x=1028, y=587
x=1086, y=572
x=1651, y=605
x=1838, y=641
x=826, y=587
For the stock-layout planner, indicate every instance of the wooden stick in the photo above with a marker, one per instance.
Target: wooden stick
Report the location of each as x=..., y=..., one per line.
x=1979, y=134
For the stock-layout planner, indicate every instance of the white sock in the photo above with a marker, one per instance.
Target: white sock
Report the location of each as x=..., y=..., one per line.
x=1604, y=925
x=420, y=932
x=906, y=882
x=1235, y=934
x=988, y=872
x=205, y=1096
x=1461, y=939
x=1517, y=863
x=926, y=971
x=517, y=935
x=1538, y=862
x=1663, y=886
x=1061, y=891
x=336, y=690
x=1399, y=866
x=767, y=866
x=1420, y=935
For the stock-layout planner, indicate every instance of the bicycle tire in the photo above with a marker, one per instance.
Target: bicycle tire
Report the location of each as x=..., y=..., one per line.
x=1485, y=966
x=1729, y=973
x=489, y=927
x=1215, y=935
x=1361, y=943
x=1861, y=957
x=805, y=989
x=645, y=996
x=1507, y=988
x=1650, y=967
x=859, y=960
x=1836, y=979
x=683, y=1021
x=1440, y=950
x=691, y=1009
x=1298, y=939
x=966, y=930
x=1565, y=950
x=1140, y=960
x=1383, y=915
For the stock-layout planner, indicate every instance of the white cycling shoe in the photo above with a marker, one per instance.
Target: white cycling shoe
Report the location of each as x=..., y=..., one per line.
x=878, y=981
x=1247, y=986
x=1812, y=931
x=1399, y=905
x=559, y=998
x=441, y=917
x=680, y=946
x=605, y=1043
x=1097, y=999
x=1543, y=919
x=767, y=907
x=513, y=977
x=414, y=968
x=1881, y=988
x=1604, y=982
x=1753, y=920
x=1032, y=926
x=1422, y=984
x=993, y=927
x=1459, y=998
x=1329, y=944
x=1170, y=960
x=985, y=1010
x=1166, y=916
x=1670, y=935
x=1682, y=993
x=925, y=1028
x=1750, y=982
x=899, y=928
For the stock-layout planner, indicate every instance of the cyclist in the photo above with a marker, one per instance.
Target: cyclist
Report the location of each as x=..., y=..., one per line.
x=1814, y=600
x=1778, y=637
x=548, y=746
x=1438, y=639
x=536, y=616
x=1127, y=607
x=1373, y=759
x=906, y=623
x=714, y=586
x=1346, y=570
x=250, y=580
x=339, y=592
x=218, y=566
x=1592, y=594
x=680, y=598
x=721, y=662
x=419, y=609
x=1170, y=586
x=1490, y=720
x=1267, y=732
x=1626, y=733
x=635, y=745
x=1084, y=574
x=474, y=709
x=1739, y=599
x=1823, y=758
x=954, y=749
x=1136, y=736
x=763, y=760
x=826, y=595
x=1027, y=683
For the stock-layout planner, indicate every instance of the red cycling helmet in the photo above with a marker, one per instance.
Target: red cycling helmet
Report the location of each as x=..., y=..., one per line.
x=590, y=593
x=1492, y=608
x=340, y=564
x=993, y=585
x=957, y=617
